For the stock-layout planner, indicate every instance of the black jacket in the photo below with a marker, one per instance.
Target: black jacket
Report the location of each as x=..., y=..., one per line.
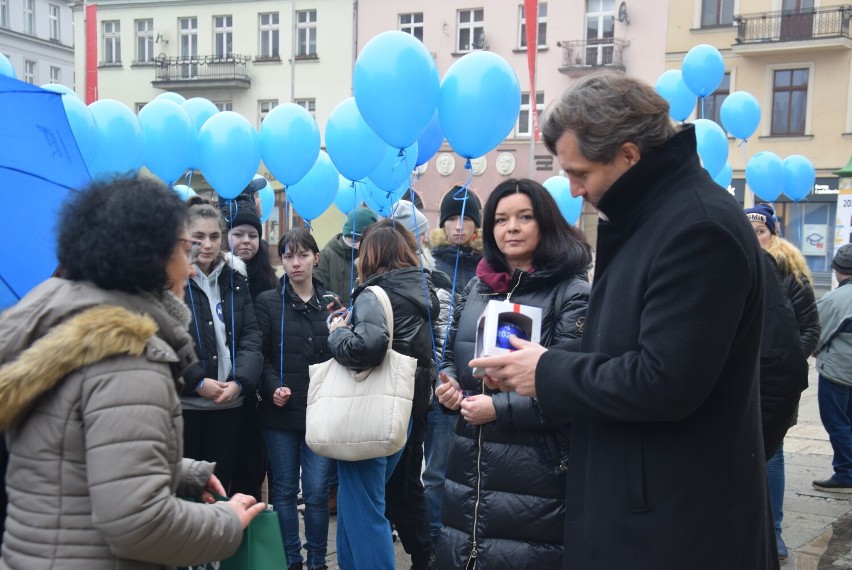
x=363, y=344
x=505, y=482
x=445, y=260
x=305, y=343
x=249, y=360
x=801, y=295
x=667, y=468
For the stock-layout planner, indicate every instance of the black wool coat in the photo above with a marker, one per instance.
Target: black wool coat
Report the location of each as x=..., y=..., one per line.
x=305, y=343
x=667, y=469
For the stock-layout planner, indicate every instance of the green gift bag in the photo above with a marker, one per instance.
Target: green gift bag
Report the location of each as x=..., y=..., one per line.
x=261, y=548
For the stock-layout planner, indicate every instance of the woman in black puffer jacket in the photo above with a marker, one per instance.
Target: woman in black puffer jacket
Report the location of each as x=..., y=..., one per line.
x=505, y=488
x=388, y=259
x=297, y=308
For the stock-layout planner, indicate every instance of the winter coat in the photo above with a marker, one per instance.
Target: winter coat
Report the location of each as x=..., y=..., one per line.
x=305, y=343
x=335, y=268
x=249, y=358
x=834, y=351
x=445, y=252
x=443, y=287
x=363, y=344
x=89, y=386
x=801, y=295
x=505, y=483
x=783, y=364
x=667, y=469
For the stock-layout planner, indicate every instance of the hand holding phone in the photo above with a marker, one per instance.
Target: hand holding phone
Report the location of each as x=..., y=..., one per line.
x=332, y=302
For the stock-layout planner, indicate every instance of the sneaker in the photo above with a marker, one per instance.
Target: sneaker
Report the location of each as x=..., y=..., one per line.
x=783, y=553
x=832, y=485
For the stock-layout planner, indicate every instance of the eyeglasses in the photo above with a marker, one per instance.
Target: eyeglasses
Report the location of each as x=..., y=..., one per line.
x=193, y=248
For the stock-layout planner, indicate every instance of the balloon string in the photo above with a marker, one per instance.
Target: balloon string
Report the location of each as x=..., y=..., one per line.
x=188, y=177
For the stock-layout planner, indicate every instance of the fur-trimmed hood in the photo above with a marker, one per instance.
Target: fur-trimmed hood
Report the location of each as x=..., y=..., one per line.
x=438, y=238
x=62, y=326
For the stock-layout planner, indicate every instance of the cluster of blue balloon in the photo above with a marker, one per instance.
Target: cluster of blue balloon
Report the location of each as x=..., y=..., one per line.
x=766, y=174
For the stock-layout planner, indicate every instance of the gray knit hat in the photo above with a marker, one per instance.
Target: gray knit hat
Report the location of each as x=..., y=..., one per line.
x=842, y=262
x=411, y=218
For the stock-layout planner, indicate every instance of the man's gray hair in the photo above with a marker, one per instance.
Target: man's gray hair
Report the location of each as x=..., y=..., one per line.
x=606, y=110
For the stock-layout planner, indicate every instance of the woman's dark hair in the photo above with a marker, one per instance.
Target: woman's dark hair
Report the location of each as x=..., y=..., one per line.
x=558, y=241
x=260, y=272
x=386, y=246
x=297, y=239
x=121, y=233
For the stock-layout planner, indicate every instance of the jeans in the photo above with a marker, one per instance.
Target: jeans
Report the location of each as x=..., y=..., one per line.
x=288, y=452
x=775, y=476
x=363, y=534
x=439, y=433
x=835, y=411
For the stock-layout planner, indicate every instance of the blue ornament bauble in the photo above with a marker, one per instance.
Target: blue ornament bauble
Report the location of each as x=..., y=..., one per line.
x=505, y=330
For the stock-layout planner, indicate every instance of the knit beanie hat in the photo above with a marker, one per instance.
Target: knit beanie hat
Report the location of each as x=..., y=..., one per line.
x=452, y=206
x=842, y=262
x=410, y=218
x=358, y=220
x=764, y=214
x=241, y=211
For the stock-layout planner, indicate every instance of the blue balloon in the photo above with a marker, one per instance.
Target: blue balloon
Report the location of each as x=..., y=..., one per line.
x=6, y=67
x=681, y=100
x=712, y=145
x=289, y=142
x=314, y=193
x=82, y=125
x=169, y=139
x=199, y=110
x=479, y=104
x=799, y=177
x=725, y=176
x=120, y=141
x=380, y=201
x=184, y=191
x=59, y=88
x=396, y=85
x=267, y=200
x=347, y=195
x=394, y=168
x=430, y=141
x=353, y=147
x=560, y=188
x=765, y=175
x=171, y=96
x=740, y=114
x=228, y=153
x=703, y=69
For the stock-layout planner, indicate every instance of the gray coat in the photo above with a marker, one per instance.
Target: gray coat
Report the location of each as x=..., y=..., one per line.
x=89, y=382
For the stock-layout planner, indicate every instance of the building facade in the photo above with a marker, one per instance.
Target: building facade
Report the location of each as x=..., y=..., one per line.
x=795, y=57
x=37, y=37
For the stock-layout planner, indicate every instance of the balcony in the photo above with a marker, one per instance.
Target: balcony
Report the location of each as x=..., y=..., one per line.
x=580, y=57
x=824, y=28
x=201, y=72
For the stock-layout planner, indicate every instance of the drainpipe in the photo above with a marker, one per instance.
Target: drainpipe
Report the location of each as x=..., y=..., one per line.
x=354, y=33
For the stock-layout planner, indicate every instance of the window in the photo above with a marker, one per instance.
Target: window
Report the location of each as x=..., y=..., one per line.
x=4, y=13
x=524, y=126
x=306, y=32
x=29, y=71
x=713, y=102
x=600, y=31
x=471, y=30
x=412, y=24
x=139, y=107
x=542, y=26
x=144, y=41
x=264, y=107
x=112, y=41
x=310, y=106
x=29, y=16
x=269, y=35
x=55, y=74
x=224, y=105
x=223, y=36
x=188, y=30
x=789, y=101
x=53, y=18
x=717, y=13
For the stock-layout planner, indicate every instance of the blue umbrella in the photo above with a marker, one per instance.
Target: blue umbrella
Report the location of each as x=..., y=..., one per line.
x=39, y=165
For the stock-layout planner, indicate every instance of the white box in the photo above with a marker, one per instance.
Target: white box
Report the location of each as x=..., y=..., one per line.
x=498, y=314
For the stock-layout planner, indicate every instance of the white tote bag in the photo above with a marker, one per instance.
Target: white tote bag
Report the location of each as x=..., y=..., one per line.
x=354, y=415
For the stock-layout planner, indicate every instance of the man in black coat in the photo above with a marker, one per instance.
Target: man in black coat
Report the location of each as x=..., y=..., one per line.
x=667, y=468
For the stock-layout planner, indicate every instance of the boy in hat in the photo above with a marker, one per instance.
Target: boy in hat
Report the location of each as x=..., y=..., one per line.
x=458, y=236
x=335, y=269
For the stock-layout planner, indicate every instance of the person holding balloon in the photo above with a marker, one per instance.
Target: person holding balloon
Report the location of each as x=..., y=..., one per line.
x=797, y=281
x=336, y=269
x=505, y=481
x=292, y=320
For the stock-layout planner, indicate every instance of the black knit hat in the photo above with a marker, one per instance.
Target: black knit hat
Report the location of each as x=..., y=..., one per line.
x=452, y=206
x=241, y=211
x=842, y=262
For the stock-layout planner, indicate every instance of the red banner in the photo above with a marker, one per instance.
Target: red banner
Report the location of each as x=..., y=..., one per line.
x=531, y=19
x=91, y=53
